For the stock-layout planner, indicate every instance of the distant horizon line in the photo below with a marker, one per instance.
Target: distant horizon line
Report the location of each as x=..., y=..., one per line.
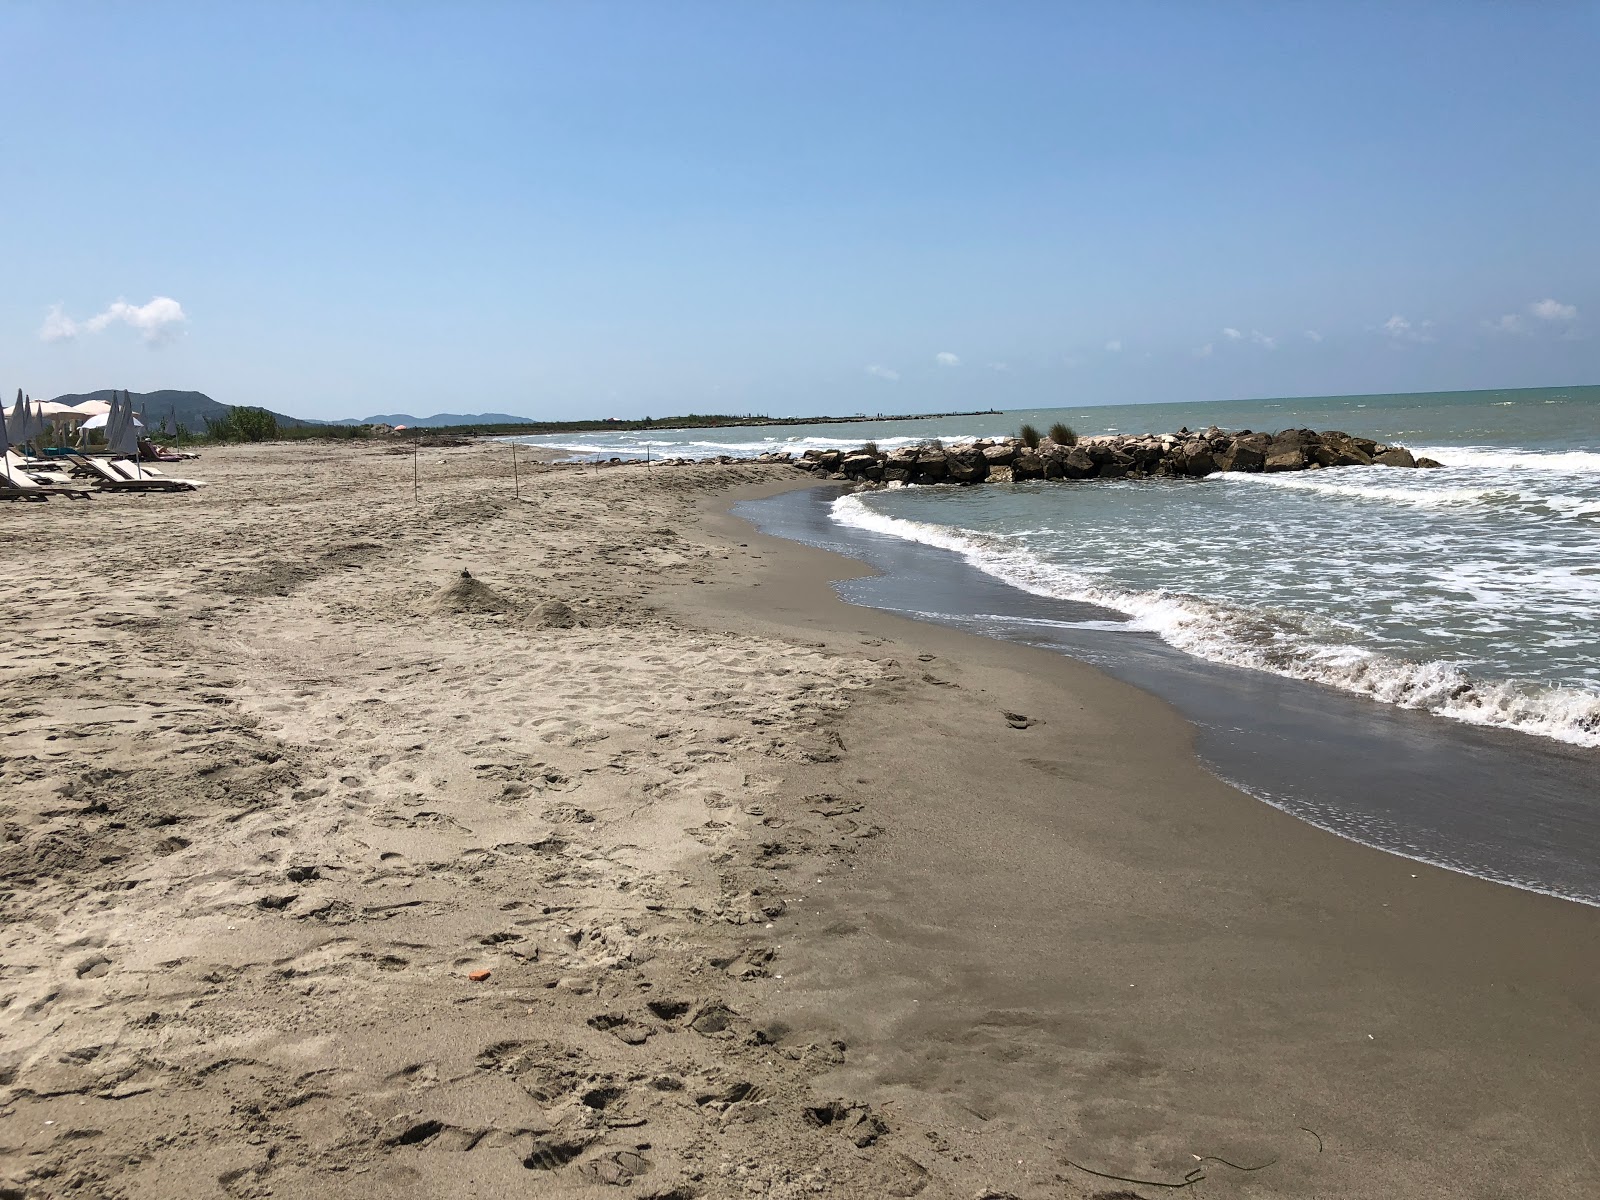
x=885, y=415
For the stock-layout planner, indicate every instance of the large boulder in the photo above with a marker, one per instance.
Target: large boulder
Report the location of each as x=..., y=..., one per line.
x=830, y=460
x=1284, y=456
x=1395, y=456
x=1242, y=454
x=1197, y=462
x=1076, y=464
x=966, y=466
x=1028, y=464
x=932, y=466
x=1116, y=466
x=999, y=455
x=858, y=464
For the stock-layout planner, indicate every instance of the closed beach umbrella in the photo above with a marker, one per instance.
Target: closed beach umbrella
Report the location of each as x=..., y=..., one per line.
x=5, y=438
x=26, y=425
x=17, y=423
x=124, y=439
x=113, y=422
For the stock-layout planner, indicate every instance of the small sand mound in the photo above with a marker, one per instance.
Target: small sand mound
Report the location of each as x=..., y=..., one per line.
x=554, y=614
x=469, y=595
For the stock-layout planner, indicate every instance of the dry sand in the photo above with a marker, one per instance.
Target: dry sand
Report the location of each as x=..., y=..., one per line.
x=773, y=897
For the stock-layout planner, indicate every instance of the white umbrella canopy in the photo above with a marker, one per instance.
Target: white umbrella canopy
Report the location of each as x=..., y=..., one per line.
x=101, y=420
x=90, y=408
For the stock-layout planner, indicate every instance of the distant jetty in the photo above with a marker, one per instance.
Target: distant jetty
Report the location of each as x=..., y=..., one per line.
x=1151, y=456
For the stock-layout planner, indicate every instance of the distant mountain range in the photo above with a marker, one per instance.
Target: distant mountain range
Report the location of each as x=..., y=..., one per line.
x=441, y=419
x=190, y=409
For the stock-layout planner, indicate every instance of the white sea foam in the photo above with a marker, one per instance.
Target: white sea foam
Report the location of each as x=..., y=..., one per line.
x=1366, y=483
x=1280, y=642
x=1517, y=459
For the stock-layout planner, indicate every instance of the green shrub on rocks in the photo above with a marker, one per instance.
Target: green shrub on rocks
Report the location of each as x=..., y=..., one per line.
x=1029, y=436
x=1062, y=435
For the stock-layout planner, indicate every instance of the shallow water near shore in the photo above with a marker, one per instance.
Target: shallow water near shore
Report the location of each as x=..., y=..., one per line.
x=1487, y=802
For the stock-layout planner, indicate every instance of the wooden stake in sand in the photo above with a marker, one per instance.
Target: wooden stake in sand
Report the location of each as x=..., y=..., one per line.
x=516, y=480
x=416, y=491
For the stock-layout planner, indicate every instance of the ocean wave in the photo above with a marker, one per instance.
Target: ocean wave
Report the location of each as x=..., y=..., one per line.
x=1278, y=642
x=1365, y=483
x=1515, y=459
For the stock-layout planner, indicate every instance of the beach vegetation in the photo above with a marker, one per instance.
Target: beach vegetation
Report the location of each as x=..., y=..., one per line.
x=869, y=448
x=243, y=424
x=1029, y=437
x=1061, y=434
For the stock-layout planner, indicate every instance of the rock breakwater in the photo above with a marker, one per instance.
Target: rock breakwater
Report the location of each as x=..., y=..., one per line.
x=1111, y=456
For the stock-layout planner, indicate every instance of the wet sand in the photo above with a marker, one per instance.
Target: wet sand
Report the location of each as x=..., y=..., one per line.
x=774, y=897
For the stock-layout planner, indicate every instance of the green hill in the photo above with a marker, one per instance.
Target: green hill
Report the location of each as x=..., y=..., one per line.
x=164, y=408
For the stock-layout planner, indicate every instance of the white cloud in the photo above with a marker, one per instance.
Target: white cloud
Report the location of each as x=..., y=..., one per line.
x=1553, y=310
x=57, y=327
x=1313, y=335
x=1261, y=339
x=1402, y=330
x=945, y=359
x=161, y=320
x=1233, y=335
x=882, y=372
x=1203, y=351
x=1114, y=346
x=999, y=366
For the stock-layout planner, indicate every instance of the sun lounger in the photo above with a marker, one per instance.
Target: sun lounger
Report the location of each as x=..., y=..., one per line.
x=18, y=484
x=116, y=481
x=136, y=472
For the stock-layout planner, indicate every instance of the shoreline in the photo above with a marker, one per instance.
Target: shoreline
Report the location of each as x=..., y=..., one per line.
x=1501, y=804
x=768, y=901
x=1383, y=995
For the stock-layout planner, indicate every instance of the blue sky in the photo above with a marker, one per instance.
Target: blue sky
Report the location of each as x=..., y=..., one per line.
x=591, y=209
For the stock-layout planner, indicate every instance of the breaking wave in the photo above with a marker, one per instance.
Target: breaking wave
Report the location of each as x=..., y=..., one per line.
x=1277, y=641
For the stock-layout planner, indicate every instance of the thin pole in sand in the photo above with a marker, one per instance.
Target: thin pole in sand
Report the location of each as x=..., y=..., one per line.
x=516, y=479
x=416, y=491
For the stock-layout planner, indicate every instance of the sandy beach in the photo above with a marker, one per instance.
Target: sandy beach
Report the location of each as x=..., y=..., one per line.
x=633, y=862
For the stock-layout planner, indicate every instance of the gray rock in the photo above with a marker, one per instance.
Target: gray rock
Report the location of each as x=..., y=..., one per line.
x=1284, y=457
x=1076, y=464
x=966, y=466
x=1395, y=456
x=1240, y=456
